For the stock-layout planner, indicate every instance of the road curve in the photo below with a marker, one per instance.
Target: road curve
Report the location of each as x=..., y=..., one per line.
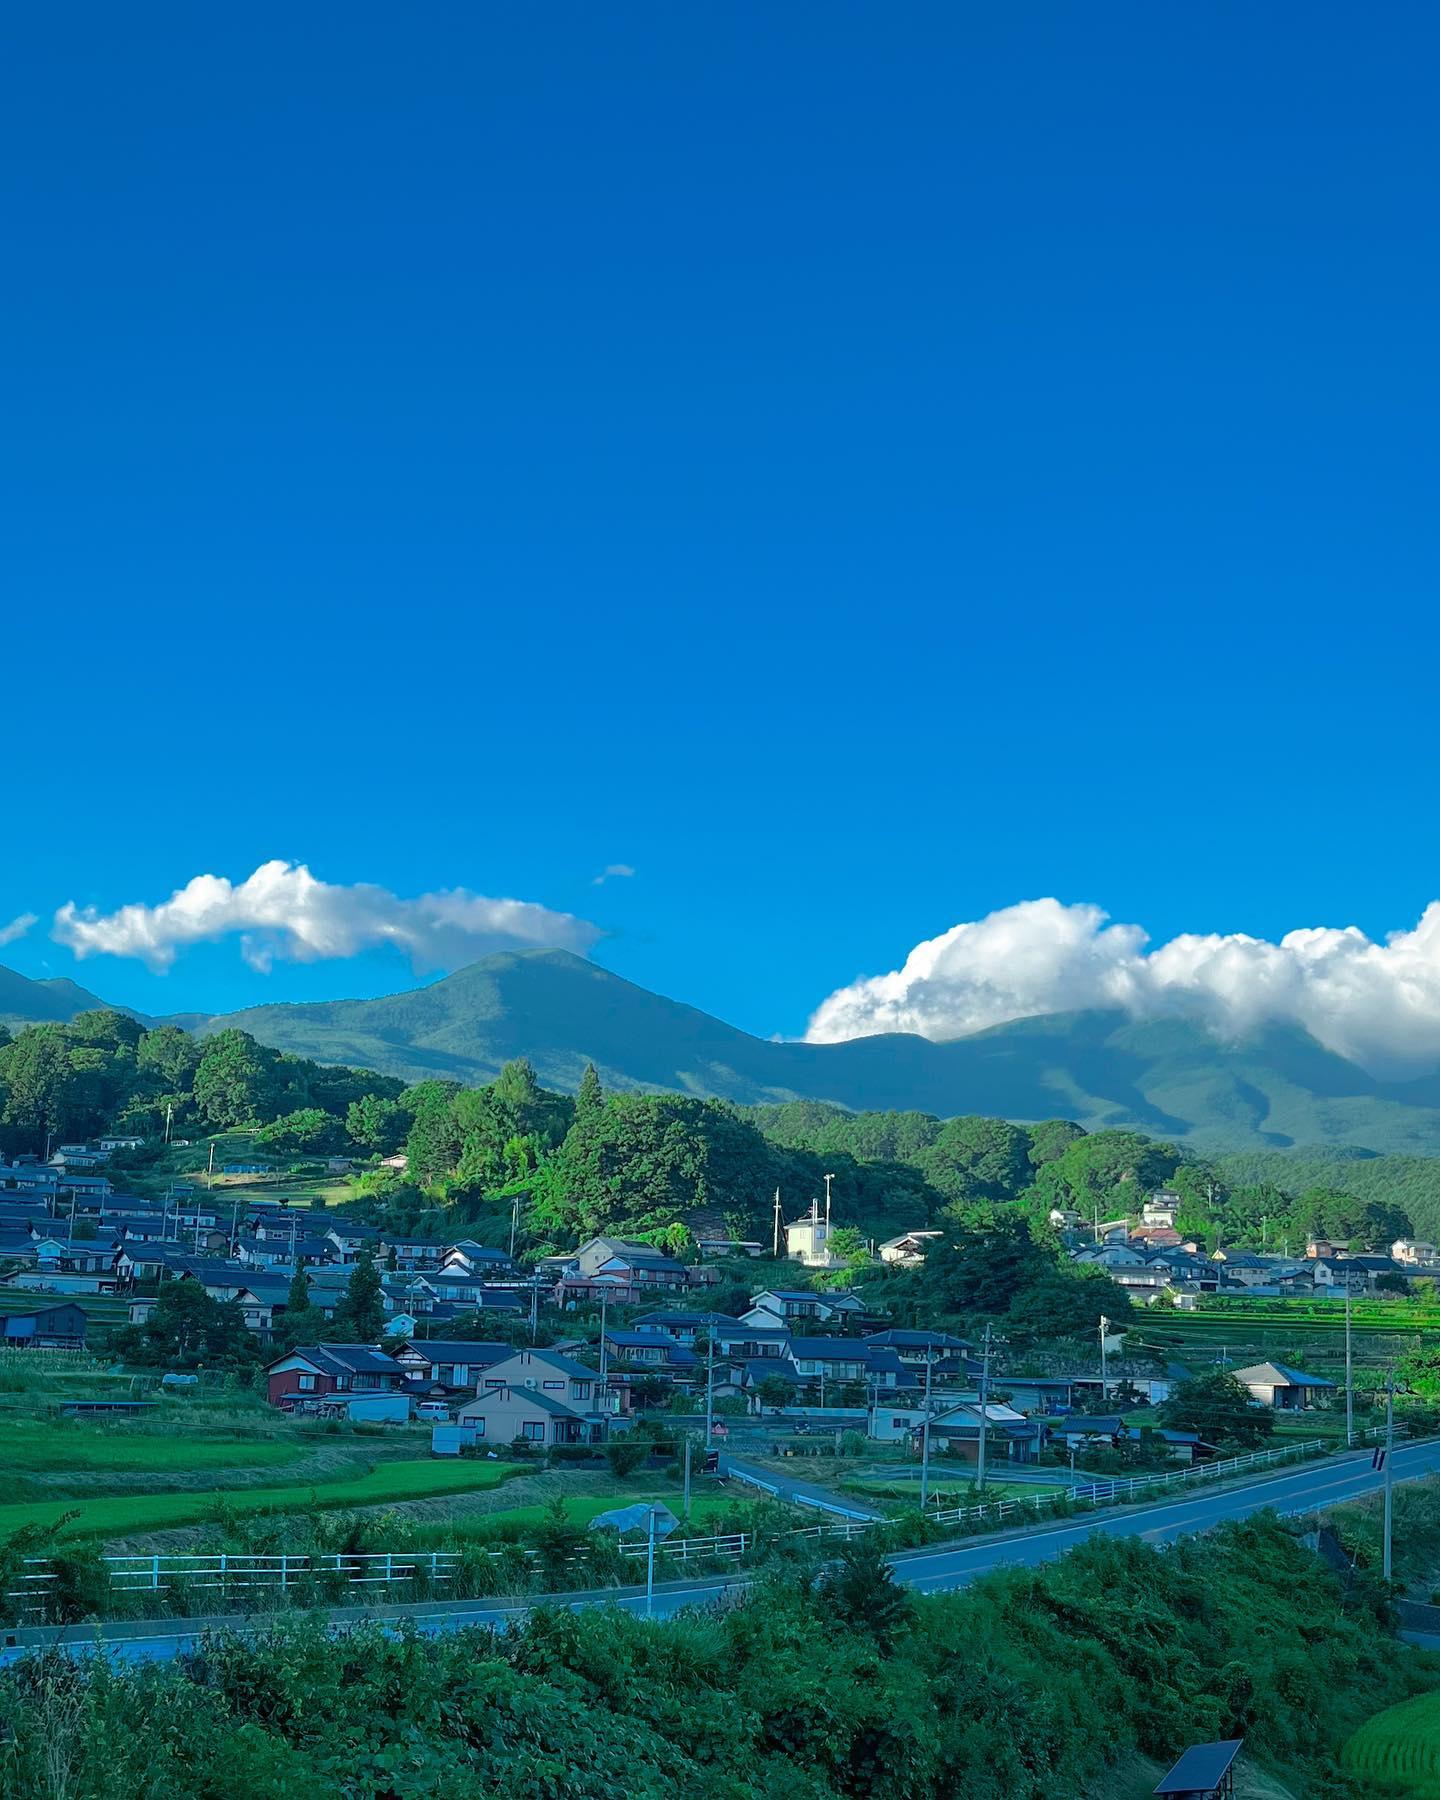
x=945, y=1566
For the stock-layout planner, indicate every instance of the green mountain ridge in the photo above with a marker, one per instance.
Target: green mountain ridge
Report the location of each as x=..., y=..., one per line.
x=52, y=1001
x=1275, y=1091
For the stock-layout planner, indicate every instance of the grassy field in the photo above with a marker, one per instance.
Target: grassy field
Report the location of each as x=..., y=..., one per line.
x=946, y=1488
x=30, y=1446
x=189, y=1164
x=393, y=1483
x=1399, y=1749
x=581, y=1508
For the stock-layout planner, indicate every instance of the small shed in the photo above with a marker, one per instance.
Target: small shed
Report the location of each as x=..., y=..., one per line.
x=374, y=1409
x=1204, y=1772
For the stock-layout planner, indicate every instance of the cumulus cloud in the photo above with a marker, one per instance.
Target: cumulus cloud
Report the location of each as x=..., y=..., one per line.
x=1376, y=1003
x=612, y=872
x=284, y=913
x=17, y=927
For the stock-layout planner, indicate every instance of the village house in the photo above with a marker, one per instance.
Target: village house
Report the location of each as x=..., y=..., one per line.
x=538, y=1397
x=1286, y=1389
x=784, y=1306
x=312, y=1371
x=32, y=1324
x=807, y=1240
x=454, y=1364
x=909, y=1248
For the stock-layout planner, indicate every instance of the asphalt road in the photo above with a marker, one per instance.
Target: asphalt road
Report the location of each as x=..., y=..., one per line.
x=1311, y=1485
x=797, y=1490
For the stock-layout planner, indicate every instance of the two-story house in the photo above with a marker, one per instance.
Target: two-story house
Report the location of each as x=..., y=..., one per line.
x=538, y=1397
x=311, y=1371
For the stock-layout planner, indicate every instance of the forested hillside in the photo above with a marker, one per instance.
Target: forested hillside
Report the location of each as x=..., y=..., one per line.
x=653, y=1163
x=1169, y=1078
x=106, y=1071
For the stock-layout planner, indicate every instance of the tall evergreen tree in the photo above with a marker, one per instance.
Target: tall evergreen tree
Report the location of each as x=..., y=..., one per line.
x=360, y=1316
x=591, y=1096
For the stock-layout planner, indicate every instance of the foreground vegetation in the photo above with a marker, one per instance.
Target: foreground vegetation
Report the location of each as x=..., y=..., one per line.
x=826, y=1683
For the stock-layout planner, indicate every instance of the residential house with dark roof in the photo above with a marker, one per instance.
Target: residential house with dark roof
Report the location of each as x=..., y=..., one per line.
x=453, y=1363
x=27, y=1323
x=1286, y=1389
x=311, y=1371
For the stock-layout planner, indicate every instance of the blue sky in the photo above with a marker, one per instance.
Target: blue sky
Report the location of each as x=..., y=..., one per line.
x=858, y=466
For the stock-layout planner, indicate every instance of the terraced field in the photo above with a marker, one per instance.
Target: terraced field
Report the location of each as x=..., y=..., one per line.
x=1399, y=1749
x=31, y=1446
x=391, y=1483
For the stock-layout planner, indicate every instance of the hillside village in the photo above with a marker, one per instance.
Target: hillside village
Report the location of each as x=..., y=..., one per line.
x=569, y=1349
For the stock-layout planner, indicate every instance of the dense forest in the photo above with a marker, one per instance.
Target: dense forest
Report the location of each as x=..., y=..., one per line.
x=648, y=1164
x=829, y=1682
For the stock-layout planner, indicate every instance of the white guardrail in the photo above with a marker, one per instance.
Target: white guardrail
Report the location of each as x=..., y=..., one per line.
x=228, y=1572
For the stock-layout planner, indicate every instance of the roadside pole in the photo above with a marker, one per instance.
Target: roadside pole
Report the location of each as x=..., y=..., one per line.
x=925, y=1432
x=686, y=1507
x=985, y=1412
x=1389, y=1465
x=709, y=1387
x=1349, y=1375
x=604, y=1359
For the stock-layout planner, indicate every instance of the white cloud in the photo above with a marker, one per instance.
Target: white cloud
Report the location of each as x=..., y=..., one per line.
x=1377, y=1003
x=17, y=927
x=283, y=913
x=612, y=872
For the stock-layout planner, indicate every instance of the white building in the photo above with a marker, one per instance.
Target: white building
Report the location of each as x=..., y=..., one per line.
x=807, y=1241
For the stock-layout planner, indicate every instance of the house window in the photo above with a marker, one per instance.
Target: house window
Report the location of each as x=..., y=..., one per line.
x=307, y=1384
x=478, y=1426
x=533, y=1430
x=557, y=1387
x=582, y=1390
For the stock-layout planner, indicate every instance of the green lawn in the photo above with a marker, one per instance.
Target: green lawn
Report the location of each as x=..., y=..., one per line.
x=29, y=1446
x=391, y=1483
x=1400, y=1749
x=581, y=1508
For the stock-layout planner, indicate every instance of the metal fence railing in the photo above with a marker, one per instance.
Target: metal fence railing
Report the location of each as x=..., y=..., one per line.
x=228, y=1572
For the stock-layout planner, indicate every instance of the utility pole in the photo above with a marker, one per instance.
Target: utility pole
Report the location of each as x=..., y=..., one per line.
x=1349, y=1376
x=210, y=1168
x=604, y=1359
x=169, y=1120
x=828, y=1180
x=514, y=1222
x=985, y=1410
x=534, y=1306
x=1389, y=1466
x=776, y=1251
x=925, y=1431
x=650, y=1565
x=1104, y=1356
x=685, y=1509
x=709, y=1388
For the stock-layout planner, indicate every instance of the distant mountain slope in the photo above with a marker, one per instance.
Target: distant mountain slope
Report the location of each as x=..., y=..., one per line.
x=1171, y=1078
x=1167, y=1077
x=27, y=1002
